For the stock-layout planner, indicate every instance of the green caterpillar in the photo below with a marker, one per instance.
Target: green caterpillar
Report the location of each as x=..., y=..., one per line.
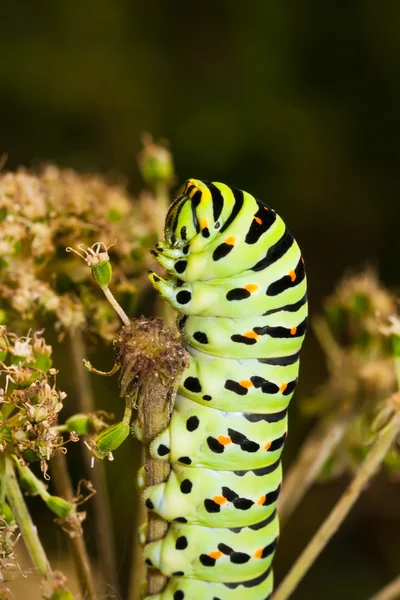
x=237, y=278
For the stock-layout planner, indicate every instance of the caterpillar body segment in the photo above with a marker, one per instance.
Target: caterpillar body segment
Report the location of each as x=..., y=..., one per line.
x=237, y=280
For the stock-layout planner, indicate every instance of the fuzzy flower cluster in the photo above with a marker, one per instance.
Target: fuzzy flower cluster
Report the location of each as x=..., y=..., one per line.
x=355, y=332
x=42, y=214
x=29, y=399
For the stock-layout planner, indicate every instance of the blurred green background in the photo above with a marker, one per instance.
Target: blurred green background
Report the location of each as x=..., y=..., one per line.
x=296, y=102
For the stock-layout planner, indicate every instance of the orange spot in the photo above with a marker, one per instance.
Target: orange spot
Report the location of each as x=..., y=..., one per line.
x=216, y=554
x=261, y=500
x=245, y=383
x=251, y=334
x=283, y=387
x=265, y=207
x=293, y=331
x=258, y=553
x=267, y=445
x=302, y=260
x=258, y=220
x=219, y=500
x=203, y=223
x=251, y=287
x=231, y=240
x=224, y=440
x=292, y=275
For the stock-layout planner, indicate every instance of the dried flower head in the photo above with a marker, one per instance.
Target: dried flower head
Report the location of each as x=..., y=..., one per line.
x=41, y=215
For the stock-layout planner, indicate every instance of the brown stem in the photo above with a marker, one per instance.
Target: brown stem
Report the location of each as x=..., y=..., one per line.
x=100, y=502
x=389, y=592
x=154, y=408
x=367, y=470
x=313, y=454
x=63, y=486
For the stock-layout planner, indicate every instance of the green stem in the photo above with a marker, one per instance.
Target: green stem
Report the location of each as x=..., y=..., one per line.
x=25, y=524
x=116, y=306
x=368, y=469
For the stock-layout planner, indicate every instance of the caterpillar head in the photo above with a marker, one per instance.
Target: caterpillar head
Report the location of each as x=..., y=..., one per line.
x=193, y=216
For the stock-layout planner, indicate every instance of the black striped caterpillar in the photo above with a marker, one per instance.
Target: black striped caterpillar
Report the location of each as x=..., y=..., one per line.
x=237, y=278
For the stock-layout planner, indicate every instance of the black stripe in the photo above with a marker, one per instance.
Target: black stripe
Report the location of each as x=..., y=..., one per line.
x=269, y=418
x=256, y=526
x=282, y=361
x=285, y=282
x=251, y=583
x=196, y=223
x=279, y=332
x=275, y=252
x=288, y=307
x=239, y=200
x=217, y=199
x=260, y=472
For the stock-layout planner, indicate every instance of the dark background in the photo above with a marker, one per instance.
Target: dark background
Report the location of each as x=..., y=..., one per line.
x=296, y=102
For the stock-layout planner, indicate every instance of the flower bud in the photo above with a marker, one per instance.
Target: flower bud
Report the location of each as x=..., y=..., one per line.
x=155, y=163
x=110, y=439
x=6, y=513
x=59, y=506
x=102, y=272
x=80, y=423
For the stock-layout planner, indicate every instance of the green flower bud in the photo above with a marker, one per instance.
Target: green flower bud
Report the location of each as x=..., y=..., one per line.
x=155, y=163
x=3, y=348
x=29, y=482
x=59, y=506
x=42, y=362
x=102, y=272
x=6, y=512
x=396, y=345
x=3, y=317
x=110, y=439
x=64, y=594
x=80, y=423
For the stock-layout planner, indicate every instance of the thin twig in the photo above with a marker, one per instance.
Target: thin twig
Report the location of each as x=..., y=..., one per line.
x=63, y=486
x=116, y=306
x=368, y=469
x=314, y=453
x=389, y=592
x=25, y=524
x=101, y=507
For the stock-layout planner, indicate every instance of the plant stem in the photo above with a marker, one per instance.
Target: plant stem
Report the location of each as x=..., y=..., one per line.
x=369, y=467
x=116, y=306
x=101, y=508
x=25, y=524
x=154, y=409
x=389, y=592
x=138, y=568
x=63, y=486
x=316, y=450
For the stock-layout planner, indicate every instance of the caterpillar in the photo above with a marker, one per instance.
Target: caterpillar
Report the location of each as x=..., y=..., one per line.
x=237, y=279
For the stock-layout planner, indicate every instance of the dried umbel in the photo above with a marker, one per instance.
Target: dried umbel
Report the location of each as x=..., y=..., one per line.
x=40, y=215
x=358, y=333
x=30, y=401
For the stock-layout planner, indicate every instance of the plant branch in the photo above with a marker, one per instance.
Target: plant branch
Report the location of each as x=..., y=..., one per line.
x=25, y=524
x=368, y=469
x=314, y=453
x=63, y=487
x=389, y=592
x=101, y=508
